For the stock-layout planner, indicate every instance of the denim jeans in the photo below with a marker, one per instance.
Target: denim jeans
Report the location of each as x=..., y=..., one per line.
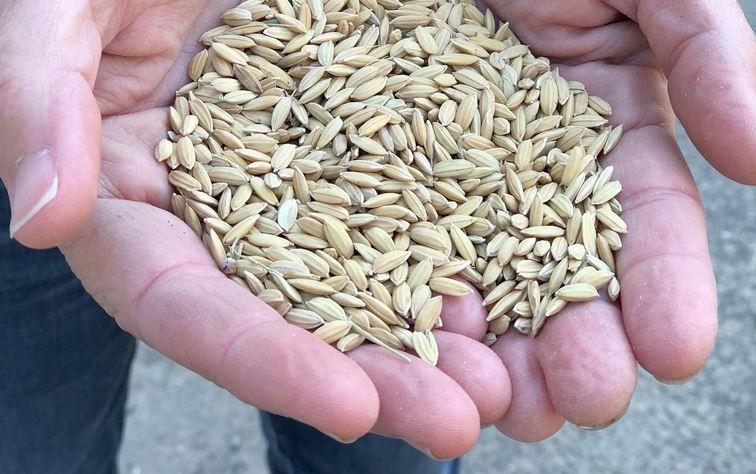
x=64, y=370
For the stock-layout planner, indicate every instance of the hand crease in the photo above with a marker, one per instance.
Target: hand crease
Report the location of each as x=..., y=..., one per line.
x=680, y=49
x=252, y=324
x=180, y=269
x=642, y=197
x=665, y=253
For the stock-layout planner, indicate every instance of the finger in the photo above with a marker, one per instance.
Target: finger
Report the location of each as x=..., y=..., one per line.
x=420, y=404
x=531, y=416
x=585, y=31
x=668, y=289
x=465, y=314
x=162, y=287
x=587, y=363
x=717, y=105
x=49, y=122
x=478, y=371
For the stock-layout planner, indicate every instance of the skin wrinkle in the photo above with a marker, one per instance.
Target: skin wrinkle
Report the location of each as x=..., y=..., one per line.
x=535, y=387
x=126, y=140
x=613, y=50
x=251, y=324
x=155, y=192
x=169, y=278
x=679, y=50
x=523, y=12
x=650, y=196
x=570, y=39
x=107, y=16
x=146, y=143
x=125, y=66
x=177, y=270
x=657, y=256
x=645, y=196
x=139, y=11
x=164, y=91
x=661, y=119
x=666, y=119
x=659, y=9
x=660, y=115
x=116, y=147
x=105, y=187
x=118, y=93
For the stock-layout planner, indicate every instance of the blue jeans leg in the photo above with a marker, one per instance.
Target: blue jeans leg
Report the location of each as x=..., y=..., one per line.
x=295, y=448
x=64, y=367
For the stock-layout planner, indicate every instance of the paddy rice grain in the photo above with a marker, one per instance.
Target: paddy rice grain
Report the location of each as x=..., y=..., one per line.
x=350, y=163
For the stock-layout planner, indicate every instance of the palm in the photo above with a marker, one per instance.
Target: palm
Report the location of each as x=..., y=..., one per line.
x=162, y=286
x=168, y=292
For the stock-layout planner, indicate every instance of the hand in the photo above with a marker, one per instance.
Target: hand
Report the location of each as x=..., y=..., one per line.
x=84, y=76
x=582, y=367
x=154, y=276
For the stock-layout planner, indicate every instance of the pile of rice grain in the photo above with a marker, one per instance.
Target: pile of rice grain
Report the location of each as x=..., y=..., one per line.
x=351, y=161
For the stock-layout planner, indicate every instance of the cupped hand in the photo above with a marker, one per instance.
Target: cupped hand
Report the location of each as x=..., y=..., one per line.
x=114, y=66
x=84, y=90
x=650, y=59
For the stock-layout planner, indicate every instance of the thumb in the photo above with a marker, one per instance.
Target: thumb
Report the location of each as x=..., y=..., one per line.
x=49, y=119
x=708, y=53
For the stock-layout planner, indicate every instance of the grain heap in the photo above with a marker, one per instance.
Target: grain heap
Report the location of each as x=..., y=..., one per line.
x=345, y=160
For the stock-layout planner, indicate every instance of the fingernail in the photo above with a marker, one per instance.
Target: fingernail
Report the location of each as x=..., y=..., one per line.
x=600, y=427
x=35, y=185
x=595, y=428
x=678, y=381
x=423, y=449
x=338, y=438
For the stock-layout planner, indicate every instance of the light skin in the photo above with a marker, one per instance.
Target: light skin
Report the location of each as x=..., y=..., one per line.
x=91, y=85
